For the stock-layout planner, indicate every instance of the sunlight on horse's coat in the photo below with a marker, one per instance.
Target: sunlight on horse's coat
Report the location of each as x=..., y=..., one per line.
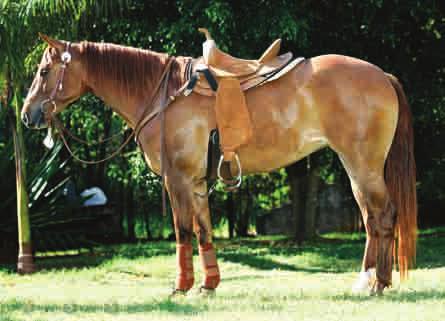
x=343, y=102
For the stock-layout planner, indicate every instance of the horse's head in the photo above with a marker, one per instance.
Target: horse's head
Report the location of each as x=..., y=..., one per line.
x=58, y=82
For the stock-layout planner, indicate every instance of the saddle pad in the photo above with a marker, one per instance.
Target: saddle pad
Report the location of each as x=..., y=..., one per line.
x=232, y=117
x=203, y=88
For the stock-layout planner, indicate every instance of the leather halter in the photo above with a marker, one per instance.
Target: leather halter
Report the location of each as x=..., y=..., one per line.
x=66, y=59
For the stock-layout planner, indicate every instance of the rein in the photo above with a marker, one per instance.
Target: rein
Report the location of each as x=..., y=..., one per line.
x=143, y=121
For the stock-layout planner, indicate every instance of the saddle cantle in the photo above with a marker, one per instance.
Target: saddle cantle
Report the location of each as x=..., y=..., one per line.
x=224, y=65
x=219, y=74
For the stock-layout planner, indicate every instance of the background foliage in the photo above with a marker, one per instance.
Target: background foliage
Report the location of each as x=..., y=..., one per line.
x=402, y=37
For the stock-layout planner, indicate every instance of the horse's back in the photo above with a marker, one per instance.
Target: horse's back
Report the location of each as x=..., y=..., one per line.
x=329, y=100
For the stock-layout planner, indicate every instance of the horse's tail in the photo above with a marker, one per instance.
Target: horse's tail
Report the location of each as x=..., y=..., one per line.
x=400, y=176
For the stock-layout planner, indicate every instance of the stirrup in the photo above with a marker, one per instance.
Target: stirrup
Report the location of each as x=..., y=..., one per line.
x=234, y=183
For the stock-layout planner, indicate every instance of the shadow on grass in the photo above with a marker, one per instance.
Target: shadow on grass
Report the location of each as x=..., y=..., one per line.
x=325, y=254
x=400, y=297
x=102, y=254
x=431, y=252
x=166, y=305
x=262, y=263
x=322, y=258
x=333, y=256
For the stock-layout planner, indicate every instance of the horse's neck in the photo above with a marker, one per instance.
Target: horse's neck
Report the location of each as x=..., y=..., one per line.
x=126, y=107
x=130, y=106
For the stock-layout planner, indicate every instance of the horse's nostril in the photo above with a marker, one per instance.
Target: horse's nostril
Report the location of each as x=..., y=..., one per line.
x=25, y=119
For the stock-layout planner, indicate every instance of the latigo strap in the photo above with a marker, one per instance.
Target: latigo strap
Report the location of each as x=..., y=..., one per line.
x=185, y=277
x=210, y=266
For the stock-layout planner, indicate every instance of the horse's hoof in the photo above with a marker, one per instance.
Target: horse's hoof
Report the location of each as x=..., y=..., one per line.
x=206, y=292
x=177, y=293
x=377, y=289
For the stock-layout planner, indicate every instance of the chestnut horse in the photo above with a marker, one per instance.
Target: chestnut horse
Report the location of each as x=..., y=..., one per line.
x=333, y=101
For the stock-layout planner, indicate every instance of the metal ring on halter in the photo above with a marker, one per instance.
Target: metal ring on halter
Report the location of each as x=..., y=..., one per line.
x=236, y=182
x=66, y=57
x=45, y=102
x=45, y=112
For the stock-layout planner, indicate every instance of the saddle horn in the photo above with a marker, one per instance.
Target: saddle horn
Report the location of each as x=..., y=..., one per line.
x=206, y=33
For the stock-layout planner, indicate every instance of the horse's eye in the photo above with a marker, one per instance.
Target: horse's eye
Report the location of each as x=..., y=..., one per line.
x=44, y=72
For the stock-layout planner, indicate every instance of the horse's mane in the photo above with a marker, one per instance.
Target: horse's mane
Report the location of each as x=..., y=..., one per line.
x=129, y=71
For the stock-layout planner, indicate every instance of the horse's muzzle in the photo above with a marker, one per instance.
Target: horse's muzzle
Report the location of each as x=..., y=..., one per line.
x=26, y=119
x=34, y=120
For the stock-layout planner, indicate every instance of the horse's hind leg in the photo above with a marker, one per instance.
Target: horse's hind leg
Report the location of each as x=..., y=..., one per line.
x=379, y=217
x=370, y=256
x=190, y=209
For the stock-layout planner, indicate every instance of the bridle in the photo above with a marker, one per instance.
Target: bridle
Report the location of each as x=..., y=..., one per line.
x=66, y=59
x=49, y=107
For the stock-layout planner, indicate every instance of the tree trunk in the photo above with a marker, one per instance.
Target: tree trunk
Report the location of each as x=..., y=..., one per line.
x=230, y=209
x=25, y=262
x=243, y=219
x=147, y=225
x=313, y=184
x=129, y=212
x=102, y=150
x=118, y=191
x=297, y=175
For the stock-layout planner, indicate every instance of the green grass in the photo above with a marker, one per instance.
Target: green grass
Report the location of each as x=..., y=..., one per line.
x=262, y=279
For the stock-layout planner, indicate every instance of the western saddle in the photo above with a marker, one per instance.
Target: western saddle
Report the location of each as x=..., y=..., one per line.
x=219, y=74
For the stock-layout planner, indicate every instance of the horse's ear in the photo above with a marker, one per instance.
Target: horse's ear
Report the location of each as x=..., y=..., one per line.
x=57, y=44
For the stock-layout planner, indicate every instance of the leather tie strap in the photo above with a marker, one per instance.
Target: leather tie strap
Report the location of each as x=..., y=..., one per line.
x=146, y=116
x=211, y=80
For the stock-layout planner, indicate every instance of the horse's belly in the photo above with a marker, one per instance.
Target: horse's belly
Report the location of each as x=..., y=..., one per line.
x=285, y=127
x=284, y=150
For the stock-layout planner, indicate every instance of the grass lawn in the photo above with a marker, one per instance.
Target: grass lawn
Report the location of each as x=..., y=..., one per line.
x=262, y=279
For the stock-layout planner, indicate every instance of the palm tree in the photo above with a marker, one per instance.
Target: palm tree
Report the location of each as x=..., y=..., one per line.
x=11, y=61
x=20, y=20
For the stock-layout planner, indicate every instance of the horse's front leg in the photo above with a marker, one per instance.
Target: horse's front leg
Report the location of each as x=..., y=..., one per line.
x=191, y=209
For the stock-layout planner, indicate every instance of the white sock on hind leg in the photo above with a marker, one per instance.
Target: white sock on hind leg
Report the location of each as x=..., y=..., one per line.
x=364, y=281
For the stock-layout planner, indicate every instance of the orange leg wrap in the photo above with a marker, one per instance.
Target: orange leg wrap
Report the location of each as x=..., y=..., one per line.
x=184, y=257
x=209, y=265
